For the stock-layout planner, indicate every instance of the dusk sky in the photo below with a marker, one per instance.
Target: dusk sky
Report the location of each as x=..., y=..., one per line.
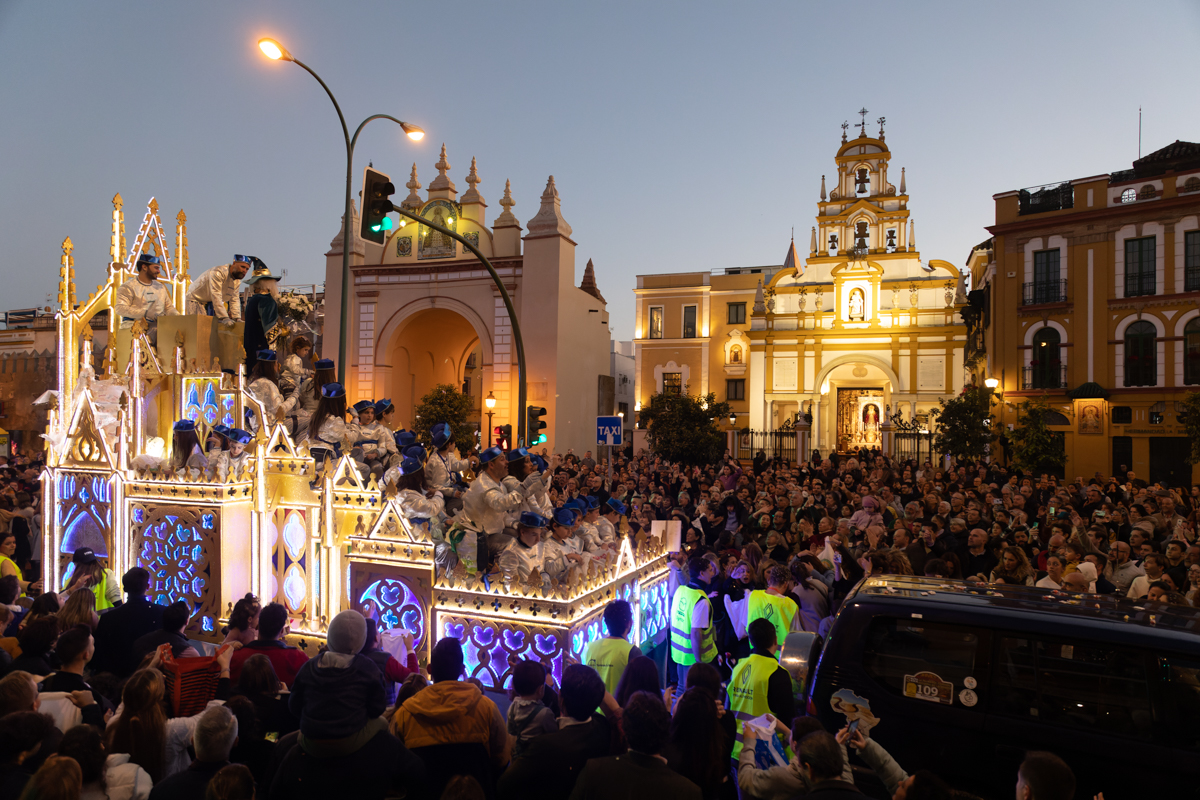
x=682, y=136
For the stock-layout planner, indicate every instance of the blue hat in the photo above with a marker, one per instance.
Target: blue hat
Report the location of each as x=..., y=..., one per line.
x=490, y=454
x=382, y=406
x=532, y=520
x=592, y=503
x=244, y=259
x=517, y=453
x=441, y=434
x=564, y=517
x=265, y=355
x=616, y=505
x=363, y=405
x=416, y=451
x=333, y=390
x=539, y=461
x=324, y=363
x=240, y=436
x=574, y=506
x=183, y=426
x=404, y=439
x=410, y=465
x=223, y=430
x=146, y=258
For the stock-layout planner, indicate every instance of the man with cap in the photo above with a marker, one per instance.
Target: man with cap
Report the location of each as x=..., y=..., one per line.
x=444, y=463
x=215, y=292
x=262, y=312
x=487, y=500
x=527, y=551
x=375, y=442
x=144, y=297
x=610, y=521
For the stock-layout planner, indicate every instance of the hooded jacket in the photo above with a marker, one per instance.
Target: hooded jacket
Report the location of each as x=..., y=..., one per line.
x=334, y=695
x=452, y=712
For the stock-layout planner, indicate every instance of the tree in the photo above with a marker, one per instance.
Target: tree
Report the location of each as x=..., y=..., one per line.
x=1189, y=415
x=964, y=424
x=1036, y=448
x=684, y=427
x=445, y=403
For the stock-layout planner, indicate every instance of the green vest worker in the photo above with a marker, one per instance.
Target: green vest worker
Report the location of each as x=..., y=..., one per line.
x=8, y=548
x=773, y=605
x=608, y=656
x=758, y=684
x=692, y=620
x=91, y=575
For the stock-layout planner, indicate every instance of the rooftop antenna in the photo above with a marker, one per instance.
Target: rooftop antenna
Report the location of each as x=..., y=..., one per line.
x=1139, y=133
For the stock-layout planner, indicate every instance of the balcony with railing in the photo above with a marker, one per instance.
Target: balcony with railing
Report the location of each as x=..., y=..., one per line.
x=1045, y=376
x=1039, y=199
x=1040, y=292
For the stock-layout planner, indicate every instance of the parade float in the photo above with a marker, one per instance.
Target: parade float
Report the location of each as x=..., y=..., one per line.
x=317, y=541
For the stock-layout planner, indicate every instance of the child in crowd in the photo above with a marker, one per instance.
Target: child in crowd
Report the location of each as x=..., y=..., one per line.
x=528, y=716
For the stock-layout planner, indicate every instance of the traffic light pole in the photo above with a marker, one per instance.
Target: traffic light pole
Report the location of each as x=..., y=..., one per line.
x=512, y=313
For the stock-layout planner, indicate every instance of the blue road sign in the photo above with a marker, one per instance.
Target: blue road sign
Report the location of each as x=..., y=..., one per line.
x=608, y=431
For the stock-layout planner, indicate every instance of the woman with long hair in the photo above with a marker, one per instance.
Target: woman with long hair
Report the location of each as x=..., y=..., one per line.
x=243, y=622
x=80, y=609
x=310, y=392
x=327, y=428
x=1014, y=568
x=264, y=385
x=186, y=452
x=640, y=675
x=105, y=777
x=59, y=778
x=811, y=593
x=696, y=747
x=259, y=684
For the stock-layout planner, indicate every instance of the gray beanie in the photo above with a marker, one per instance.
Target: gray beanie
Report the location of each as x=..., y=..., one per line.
x=347, y=633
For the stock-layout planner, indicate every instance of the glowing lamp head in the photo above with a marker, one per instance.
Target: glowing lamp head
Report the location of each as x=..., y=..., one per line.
x=414, y=132
x=991, y=383
x=489, y=401
x=274, y=50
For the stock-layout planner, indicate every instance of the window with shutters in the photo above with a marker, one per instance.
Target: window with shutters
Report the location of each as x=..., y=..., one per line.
x=1140, y=266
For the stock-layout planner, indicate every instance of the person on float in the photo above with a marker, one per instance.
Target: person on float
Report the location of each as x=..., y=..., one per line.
x=384, y=413
x=88, y=573
x=264, y=385
x=294, y=371
x=527, y=551
x=444, y=463
x=144, y=298
x=375, y=447
x=328, y=433
x=324, y=372
x=562, y=548
x=520, y=466
x=235, y=458
x=218, y=440
x=421, y=504
x=609, y=522
x=262, y=327
x=487, y=500
x=186, y=452
x=215, y=293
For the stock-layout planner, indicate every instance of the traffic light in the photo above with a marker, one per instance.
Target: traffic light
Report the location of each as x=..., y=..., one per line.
x=504, y=436
x=534, y=425
x=376, y=206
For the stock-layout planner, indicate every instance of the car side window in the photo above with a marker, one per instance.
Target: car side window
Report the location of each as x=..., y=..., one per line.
x=920, y=660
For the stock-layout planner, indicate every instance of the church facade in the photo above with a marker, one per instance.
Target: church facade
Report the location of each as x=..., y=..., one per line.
x=425, y=312
x=858, y=331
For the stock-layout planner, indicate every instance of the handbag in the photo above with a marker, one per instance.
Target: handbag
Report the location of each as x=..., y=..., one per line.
x=190, y=682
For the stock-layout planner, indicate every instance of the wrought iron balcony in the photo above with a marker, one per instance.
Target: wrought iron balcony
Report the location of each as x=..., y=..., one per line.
x=1045, y=376
x=1039, y=199
x=1039, y=292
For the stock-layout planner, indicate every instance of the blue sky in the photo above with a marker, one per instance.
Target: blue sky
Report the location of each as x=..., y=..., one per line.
x=682, y=136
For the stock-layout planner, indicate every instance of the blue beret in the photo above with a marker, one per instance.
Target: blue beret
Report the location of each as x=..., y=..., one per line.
x=416, y=451
x=616, y=505
x=223, y=430
x=265, y=355
x=240, y=436
x=363, y=405
x=410, y=465
x=333, y=390
x=531, y=520
x=517, y=453
x=539, y=461
x=441, y=434
x=405, y=439
x=490, y=454
x=592, y=503
x=382, y=406
x=183, y=426
x=323, y=363
x=564, y=517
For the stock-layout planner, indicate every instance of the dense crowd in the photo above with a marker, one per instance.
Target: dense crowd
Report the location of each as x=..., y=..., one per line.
x=100, y=695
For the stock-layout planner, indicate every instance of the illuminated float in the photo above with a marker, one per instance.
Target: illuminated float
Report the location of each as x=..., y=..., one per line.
x=315, y=542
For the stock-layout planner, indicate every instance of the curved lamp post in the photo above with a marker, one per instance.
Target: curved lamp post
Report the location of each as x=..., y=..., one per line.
x=277, y=52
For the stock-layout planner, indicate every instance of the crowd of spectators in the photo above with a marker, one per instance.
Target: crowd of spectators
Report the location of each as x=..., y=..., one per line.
x=87, y=709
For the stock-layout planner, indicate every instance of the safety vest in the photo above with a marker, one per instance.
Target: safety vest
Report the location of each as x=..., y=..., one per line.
x=748, y=691
x=778, y=610
x=101, y=590
x=20, y=576
x=608, y=657
x=682, y=604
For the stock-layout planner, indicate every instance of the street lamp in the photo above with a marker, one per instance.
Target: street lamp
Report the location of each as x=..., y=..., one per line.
x=490, y=402
x=732, y=418
x=277, y=52
x=991, y=383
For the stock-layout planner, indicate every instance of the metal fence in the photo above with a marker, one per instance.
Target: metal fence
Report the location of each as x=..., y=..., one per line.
x=775, y=444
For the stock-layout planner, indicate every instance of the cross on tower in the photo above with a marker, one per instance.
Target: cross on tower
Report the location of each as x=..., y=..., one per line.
x=863, y=111
x=845, y=125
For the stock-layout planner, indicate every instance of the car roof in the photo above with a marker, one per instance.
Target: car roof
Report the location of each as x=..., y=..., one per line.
x=1041, y=610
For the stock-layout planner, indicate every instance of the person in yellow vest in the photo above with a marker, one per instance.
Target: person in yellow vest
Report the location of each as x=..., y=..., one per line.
x=91, y=575
x=773, y=604
x=609, y=655
x=8, y=547
x=692, y=639
x=759, y=685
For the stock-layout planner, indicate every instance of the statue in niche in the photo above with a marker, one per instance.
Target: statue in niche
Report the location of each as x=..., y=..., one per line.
x=870, y=415
x=857, y=304
x=735, y=354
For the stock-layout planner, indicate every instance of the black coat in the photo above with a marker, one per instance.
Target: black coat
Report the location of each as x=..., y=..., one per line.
x=119, y=629
x=552, y=762
x=632, y=776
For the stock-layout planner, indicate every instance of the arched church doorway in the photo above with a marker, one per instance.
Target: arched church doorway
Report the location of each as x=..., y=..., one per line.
x=434, y=346
x=859, y=395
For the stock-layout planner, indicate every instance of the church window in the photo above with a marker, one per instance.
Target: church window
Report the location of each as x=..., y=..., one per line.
x=656, y=322
x=891, y=240
x=833, y=244
x=1141, y=354
x=1191, y=261
x=1191, y=352
x=861, y=231
x=737, y=313
x=672, y=383
x=1140, y=266
x=862, y=182
x=1129, y=195
x=735, y=389
x=689, y=322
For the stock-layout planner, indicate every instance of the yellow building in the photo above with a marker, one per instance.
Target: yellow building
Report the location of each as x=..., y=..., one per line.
x=860, y=329
x=1087, y=293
